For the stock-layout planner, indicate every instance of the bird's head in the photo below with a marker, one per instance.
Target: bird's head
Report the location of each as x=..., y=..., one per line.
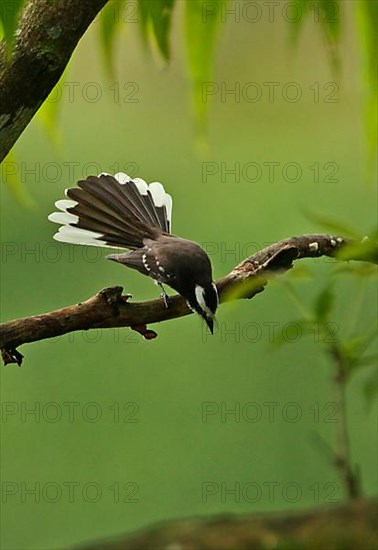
x=205, y=302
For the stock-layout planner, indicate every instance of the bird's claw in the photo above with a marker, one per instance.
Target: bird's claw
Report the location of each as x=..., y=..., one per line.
x=125, y=297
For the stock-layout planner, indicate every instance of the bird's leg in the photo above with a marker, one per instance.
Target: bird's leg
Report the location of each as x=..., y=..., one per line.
x=164, y=295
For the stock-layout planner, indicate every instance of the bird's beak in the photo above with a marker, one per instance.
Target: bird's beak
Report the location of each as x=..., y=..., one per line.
x=210, y=324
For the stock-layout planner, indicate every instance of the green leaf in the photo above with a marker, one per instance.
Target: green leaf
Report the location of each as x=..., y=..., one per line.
x=366, y=250
x=368, y=360
x=202, y=22
x=300, y=272
x=371, y=386
x=362, y=270
x=324, y=304
x=49, y=111
x=294, y=331
x=330, y=18
x=303, y=7
x=334, y=226
x=295, y=298
x=250, y=287
x=9, y=14
x=325, y=14
x=156, y=17
x=353, y=349
x=10, y=177
x=110, y=19
x=367, y=19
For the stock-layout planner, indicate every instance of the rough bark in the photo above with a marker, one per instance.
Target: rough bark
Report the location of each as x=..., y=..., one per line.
x=108, y=308
x=47, y=34
x=350, y=526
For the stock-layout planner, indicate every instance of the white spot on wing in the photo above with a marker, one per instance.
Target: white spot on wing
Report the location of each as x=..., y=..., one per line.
x=314, y=246
x=144, y=260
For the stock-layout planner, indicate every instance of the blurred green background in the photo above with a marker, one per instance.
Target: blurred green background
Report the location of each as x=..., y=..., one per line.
x=138, y=443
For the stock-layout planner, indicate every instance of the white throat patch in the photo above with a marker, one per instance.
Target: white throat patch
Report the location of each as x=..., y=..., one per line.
x=200, y=295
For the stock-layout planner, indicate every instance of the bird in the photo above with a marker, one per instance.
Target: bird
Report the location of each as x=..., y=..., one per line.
x=127, y=213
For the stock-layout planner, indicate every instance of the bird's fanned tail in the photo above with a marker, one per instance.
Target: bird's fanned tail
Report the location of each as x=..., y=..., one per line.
x=115, y=212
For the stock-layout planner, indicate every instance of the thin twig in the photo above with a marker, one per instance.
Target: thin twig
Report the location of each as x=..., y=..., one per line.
x=342, y=456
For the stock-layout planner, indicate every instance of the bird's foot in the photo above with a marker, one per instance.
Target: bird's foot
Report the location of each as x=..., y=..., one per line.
x=166, y=299
x=163, y=294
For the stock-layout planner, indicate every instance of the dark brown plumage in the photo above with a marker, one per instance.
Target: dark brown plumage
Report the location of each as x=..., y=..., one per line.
x=119, y=212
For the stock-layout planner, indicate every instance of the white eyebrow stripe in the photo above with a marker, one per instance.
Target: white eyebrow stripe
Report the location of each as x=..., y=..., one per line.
x=200, y=296
x=216, y=292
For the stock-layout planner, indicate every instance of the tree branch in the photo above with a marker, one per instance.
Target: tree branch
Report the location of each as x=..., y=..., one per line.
x=109, y=309
x=347, y=526
x=47, y=35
